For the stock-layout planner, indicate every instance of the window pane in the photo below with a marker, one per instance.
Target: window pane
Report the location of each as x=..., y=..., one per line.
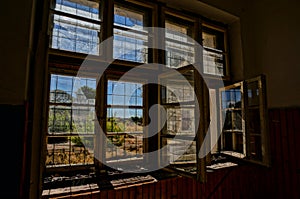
x=69, y=89
x=83, y=119
x=71, y=112
x=209, y=40
x=231, y=98
x=69, y=150
x=124, y=125
x=177, y=92
x=124, y=147
x=75, y=119
x=180, y=154
x=254, y=119
x=233, y=142
x=255, y=148
x=126, y=94
x=61, y=89
x=213, y=58
x=130, y=45
x=213, y=62
x=59, y=119
x=253, y=94
x=83, y=8
x=179, y=48
x=128, y=18
x=74, y=35
x=180, y=121
x=233, y=130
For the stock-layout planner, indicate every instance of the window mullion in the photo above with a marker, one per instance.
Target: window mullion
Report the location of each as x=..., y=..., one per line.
x=200, y=115
x=100, y=127
x=107, y=18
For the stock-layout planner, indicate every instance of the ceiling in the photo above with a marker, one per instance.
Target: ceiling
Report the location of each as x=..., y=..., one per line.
x=204, y=9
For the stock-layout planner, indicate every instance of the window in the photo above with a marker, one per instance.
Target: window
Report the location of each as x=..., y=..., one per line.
x=124, y=121
x=70, y=136
x=75, y=26
x=179, y=47
x=214, y=50
x=243, y=115
x=180, y=135
x=234, y=121
x=122, y=106
x=130, y=39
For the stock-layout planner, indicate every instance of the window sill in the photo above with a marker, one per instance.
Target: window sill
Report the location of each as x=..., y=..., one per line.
x=63, y=186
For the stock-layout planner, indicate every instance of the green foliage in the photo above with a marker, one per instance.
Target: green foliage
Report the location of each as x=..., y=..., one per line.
x=77, y=141
x=60, y=121
x=113, y=126
x=118, y=140
x=137, y=120
x=89, y=92
x=82, y=142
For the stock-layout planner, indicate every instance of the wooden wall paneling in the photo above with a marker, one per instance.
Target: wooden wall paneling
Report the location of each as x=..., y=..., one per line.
x=95, y=194
x=277, y=165
x=157, y=190
x=179, y=187
x=292, y=151
x=145, y=191
x=169, y=188
x=139, y=192
x=194, y=189
x=211, y=180
x=174, y=185
x=151, y=191
x=111, y=194
x=163, y=189
x=272, y=152
x=296, y=116
x=125, y=193
x=132, y=192
x=206, y=188
x=119, y=194
x=200, y=190
x=189, y=187
x=184, y=187
x=285, y=152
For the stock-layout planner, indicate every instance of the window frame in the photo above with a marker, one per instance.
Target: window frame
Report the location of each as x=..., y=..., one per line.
x=179, y=21
x=114, y=77
x=70, y=168
x=53, y=12
x=223, y=30
x=201, y=108
x=64, y=62
x=263, y=121
x=140, y=9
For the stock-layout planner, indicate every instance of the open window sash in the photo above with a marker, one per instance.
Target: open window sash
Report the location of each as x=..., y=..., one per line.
x=257, y=134
x=243, y=120
x=232, y=120
x=183, y=121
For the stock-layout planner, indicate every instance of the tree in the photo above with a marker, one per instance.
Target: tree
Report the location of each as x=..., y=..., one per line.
x=89, y=92
x=60, y=96
x=137, y=120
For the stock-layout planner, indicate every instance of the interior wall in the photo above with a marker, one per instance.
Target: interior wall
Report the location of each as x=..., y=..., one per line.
x=15, y=53
x=270, y=35
x=270, y=38
x=15, y=50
